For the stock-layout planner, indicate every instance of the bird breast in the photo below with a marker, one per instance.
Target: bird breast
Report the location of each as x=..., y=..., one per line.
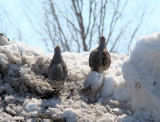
x=56, y=72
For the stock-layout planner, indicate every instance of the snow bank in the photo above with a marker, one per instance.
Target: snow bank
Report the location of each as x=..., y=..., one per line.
x=23, y=69
x=24, y=88
x=114, y=84
x=95, y=80
x=142, y=74
x=23, y=82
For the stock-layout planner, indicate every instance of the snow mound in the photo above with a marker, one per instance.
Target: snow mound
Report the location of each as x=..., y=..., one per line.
x=24, y=87
x=107, y=84
x=70, y=115
x=23, y=73
x=94, y=80
x=142, y=74
x=114, y=85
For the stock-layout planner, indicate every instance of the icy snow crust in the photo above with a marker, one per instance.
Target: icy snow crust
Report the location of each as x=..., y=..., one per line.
x=142, y=75
x=87, y=96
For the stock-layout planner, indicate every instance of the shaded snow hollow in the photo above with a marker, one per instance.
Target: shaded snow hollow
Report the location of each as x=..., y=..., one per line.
x=87, y=96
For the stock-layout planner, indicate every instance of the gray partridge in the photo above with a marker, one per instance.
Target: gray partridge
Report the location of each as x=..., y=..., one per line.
x=57, y=70
x=100, y=59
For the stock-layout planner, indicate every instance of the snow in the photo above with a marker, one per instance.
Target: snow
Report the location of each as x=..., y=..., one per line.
x=70, y=114
x=120, y=92
x=31, y=104
x=141, y=72
x=95, y=80
x=127, y=91
x=108, y=87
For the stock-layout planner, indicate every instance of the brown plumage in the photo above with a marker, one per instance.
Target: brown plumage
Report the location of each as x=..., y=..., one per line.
x=57, y=70
x=100, y=59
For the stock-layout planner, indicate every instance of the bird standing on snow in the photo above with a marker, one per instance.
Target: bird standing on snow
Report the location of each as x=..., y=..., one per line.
x=100, y=59
x=57, y=70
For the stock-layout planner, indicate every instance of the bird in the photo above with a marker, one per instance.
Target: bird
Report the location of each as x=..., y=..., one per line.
x=57, y=69
x=3, y=40
x=100, y=59
x=1, y=34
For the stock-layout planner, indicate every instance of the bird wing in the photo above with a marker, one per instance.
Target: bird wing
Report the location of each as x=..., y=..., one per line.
x=95, y=58
x=90, y=59
x=65, y=71
x=106, y=59
x=56, y=72
x=51, y=64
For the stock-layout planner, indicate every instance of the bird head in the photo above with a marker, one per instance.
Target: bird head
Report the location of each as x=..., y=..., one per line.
x=57, y=49
x=102, y=39
x=57, y=57
x=102, y=42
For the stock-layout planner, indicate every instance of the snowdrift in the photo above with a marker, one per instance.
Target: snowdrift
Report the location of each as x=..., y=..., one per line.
x=128, y=91
x=142, y=74
x=23, y=80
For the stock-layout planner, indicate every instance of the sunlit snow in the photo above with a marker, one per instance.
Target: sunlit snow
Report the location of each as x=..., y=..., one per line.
x=127, y=91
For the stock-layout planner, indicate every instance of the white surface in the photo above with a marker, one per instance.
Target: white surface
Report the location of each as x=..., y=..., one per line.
x=142, y=74
x=25, y=71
